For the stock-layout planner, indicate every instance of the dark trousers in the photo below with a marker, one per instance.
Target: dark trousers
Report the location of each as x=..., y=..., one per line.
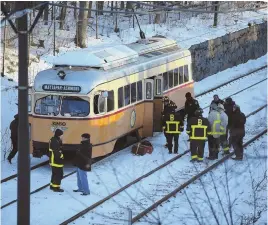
x=197, y=149
x=224, y=143
x=213, y=146
x=237, y=143
x=176, y=142
x=166, y=135
x=56, y=177
x=14, y=148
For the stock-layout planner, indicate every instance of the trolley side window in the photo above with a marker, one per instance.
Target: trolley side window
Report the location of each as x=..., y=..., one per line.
x=139, y=88
x=110, y=101
x=186, y=73
x=170, y=79
x=176, y=77
x=127, y=94
x=74, y=106
x=120, y=97
x=133, y=92
x=181, y=75
x=48, y=105
x=149, y=91
x=165, y=81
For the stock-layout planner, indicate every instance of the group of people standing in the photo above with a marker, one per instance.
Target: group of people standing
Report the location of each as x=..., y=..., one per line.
x=225, y=120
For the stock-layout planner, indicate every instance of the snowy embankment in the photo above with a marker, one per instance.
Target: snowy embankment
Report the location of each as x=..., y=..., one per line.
x=110, y=174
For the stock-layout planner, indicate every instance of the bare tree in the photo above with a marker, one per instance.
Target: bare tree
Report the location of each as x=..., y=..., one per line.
x=63, y=14
x=122, y=5
x=129, y=6
x=157, y=16
x=46, y=15
x=89, y=11
x=100, y=7
x=81, y=27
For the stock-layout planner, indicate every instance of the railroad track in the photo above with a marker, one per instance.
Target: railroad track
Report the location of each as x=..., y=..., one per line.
x=203, y=93
x=121, y=190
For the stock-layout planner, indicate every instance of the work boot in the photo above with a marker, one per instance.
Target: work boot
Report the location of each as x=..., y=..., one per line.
x=193, y=160
x=166, y=145
x=226, y=153
x=77, y=190
x=85, y=194
x=237, y=158
x=211, y=158
x=9, y=160
x=58, y=190
x=169, y=152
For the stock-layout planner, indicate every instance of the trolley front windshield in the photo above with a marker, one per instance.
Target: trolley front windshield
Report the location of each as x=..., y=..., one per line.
x=69, y=106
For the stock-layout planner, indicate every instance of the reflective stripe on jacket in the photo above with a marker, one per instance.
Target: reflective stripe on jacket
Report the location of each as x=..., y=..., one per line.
x=198, y=128
x=55, y=155
x=218, y=122
x=173, y=123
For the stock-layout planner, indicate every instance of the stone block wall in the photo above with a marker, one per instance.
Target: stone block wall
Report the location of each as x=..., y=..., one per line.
x=224, y=52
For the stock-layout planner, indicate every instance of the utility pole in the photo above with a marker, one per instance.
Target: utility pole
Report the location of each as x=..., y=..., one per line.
x=23, y=207
x=216, y=8
x=54, y=29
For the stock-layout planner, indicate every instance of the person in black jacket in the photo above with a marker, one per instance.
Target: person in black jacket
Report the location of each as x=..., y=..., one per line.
x=237, y=132
x=228, y=107
x=56, y=161
x=191, y=105
x=83, y=163
x=14, y=125
x=198, y=128
x=173, y=126
x=168, y=105
x=216, y=100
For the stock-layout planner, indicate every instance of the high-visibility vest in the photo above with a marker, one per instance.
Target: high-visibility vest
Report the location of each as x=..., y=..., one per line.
x=170, y=123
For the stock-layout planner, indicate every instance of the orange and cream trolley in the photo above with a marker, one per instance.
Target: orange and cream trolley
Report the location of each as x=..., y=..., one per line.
x=109, y=92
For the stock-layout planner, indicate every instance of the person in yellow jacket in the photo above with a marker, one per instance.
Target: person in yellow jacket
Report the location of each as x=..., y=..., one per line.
x=56, y=161
x=198, y=128
x=173, y=126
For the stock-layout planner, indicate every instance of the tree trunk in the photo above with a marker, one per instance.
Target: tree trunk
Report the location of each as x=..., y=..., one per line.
x=46, y=15
x=157, y=16
x=129, y=6
x=82, y=25
x=75, y=11
x=122, y=5
x=89, y=11
x=112, y=7
x=100, y=7
x=62, y=15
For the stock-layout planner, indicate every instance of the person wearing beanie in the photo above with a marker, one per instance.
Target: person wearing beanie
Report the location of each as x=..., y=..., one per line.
x=228, y=107
x=191, y=105
x=237, y=132
x=216, y=100
x=56, y=161
x=82, y=161
x=14, y=125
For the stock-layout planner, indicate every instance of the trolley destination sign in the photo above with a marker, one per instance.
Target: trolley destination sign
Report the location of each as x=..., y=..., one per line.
x=61, y=88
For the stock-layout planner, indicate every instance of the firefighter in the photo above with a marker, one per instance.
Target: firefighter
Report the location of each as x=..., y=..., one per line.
x=198, y=129
x=56, y=161
x=237, y=132
x=167, y=105
x=191, y=105
x=218, y=121
x=173, y=126
x=14, y=125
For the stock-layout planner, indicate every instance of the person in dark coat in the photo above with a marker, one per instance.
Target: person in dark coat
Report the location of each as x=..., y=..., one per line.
x=191, y=105
x=14, y=125
x=173, y=126
x=83, y=163
x=198, y=129
x=56, y=160
x=228, y=107
x=237, y=132
x=168, y=106
x=216, y=100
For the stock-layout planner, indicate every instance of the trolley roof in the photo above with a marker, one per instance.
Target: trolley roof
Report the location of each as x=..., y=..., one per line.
x=88, y=69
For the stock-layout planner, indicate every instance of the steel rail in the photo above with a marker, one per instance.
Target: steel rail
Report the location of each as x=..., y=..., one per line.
x=32, y=168
x=194, y=178
x=83, y=212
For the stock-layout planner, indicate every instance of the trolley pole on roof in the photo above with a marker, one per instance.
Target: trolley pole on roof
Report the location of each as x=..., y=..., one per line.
x=23, y=207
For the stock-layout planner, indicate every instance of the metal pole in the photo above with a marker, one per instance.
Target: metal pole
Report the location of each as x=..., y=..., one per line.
x=4, y=49
x=133, y=22
x=23, y=206
x=215, y=14
x=54, y=30
x=129, y=217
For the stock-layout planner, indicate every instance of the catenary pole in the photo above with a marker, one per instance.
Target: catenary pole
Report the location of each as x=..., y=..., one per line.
x=23, y=207
x=215, y=14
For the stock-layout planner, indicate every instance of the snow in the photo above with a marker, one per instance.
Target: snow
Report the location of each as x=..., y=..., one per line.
x=119, y=169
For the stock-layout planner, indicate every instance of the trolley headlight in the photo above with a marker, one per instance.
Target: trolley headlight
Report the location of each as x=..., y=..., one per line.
x=61, y=74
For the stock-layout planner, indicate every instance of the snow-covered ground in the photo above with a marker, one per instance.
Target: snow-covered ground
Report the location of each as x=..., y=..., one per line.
x=110, y=174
